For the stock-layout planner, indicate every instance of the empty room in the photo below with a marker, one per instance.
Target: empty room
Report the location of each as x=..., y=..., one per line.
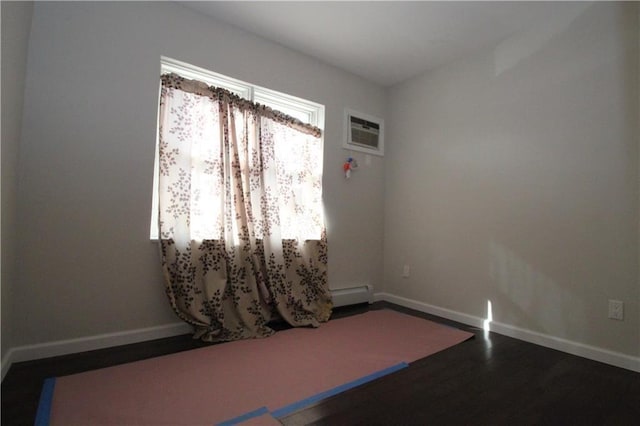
x=338, y=213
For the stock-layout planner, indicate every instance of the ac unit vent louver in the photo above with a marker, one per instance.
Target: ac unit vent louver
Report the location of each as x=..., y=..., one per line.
x=364, y=132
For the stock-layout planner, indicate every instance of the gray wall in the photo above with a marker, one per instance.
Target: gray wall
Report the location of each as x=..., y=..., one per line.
x=512, y=177
x=16, y=23
x=86, y=263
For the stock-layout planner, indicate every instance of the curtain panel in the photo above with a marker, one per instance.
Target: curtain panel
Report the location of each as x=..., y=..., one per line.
x=241, y=224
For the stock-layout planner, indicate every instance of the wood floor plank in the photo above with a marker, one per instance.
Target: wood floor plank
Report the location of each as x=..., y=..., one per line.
x=488, y=380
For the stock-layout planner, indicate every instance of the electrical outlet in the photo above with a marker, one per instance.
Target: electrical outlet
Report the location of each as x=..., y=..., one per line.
x=406, y=270
x=616, y=309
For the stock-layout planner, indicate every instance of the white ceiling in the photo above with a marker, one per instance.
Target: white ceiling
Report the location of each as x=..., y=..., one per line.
x=385, y=41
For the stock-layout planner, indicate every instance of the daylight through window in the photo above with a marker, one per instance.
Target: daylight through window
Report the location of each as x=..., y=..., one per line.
x=297, y=170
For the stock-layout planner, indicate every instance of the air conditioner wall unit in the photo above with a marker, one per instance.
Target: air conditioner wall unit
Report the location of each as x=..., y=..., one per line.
x=364, y=133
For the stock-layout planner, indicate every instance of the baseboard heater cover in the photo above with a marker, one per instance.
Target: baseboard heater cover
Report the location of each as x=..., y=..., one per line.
x=352, y=295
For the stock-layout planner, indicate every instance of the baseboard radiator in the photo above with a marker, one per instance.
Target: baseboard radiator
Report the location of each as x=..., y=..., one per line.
x=352, y=295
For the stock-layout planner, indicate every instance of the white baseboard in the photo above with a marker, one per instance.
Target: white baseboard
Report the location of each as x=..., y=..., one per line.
x=6, y=362
x=575, y=348
x=430, y=309
x=342, y=297
x=83, y=344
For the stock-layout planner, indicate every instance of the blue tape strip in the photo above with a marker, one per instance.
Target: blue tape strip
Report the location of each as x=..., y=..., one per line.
x=288, y=409
x=43, y=414
x=251, y=414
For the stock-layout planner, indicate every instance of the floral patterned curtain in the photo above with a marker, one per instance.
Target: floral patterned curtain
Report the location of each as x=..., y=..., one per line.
x=240, y=213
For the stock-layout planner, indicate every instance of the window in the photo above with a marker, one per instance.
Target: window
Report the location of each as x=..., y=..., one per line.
x=305, y=111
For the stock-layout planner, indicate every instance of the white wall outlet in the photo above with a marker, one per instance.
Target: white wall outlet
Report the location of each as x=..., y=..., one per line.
x=406, y=271
x=616, y=309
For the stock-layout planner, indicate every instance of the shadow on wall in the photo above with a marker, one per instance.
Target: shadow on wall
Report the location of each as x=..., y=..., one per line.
x=528, y=293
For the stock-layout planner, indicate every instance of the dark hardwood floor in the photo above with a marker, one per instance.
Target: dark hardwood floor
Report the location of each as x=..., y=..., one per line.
x=487, y=380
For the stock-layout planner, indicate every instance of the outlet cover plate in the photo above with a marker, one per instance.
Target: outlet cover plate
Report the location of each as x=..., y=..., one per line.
x=406, y=271
x=616, y=309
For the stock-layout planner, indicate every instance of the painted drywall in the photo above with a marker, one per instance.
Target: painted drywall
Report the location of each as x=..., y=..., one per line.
x=87, y=266
x=638, y=137
x=16, y=23
x=512, y=177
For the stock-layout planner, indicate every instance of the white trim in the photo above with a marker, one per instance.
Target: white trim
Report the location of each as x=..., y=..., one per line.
x=430, y=309
x=7, y=360
x=291, y=105
x=89, y=343
x=606, y=356
x=69, y=346
x=239, y=87
x=280, y=101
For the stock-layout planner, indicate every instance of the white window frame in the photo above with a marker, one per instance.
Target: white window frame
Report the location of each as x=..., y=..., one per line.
x=307, y=111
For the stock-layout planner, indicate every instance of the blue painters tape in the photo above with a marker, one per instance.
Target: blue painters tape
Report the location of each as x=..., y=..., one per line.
x=244, y=417
x=288, y=409
x=43, y=415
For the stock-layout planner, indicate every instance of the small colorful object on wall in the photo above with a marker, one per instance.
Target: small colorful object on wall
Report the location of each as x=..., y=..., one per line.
x=349, y=165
